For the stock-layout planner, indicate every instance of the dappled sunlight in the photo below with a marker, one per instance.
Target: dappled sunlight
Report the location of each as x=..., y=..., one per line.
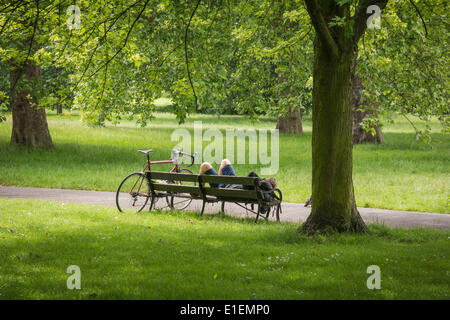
x=180, y=255
x=98, y=158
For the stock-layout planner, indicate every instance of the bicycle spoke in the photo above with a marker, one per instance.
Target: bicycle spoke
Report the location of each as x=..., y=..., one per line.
x=183, y=201
x=166, y=206
x=133, y=193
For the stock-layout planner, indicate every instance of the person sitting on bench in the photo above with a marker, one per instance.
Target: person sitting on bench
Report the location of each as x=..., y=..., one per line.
x=226, y=169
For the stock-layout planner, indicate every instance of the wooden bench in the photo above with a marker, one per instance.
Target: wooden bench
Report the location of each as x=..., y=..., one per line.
x=192, y=186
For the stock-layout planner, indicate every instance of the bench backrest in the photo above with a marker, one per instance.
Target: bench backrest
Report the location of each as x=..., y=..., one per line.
x=200, y=190
x=229, y=192
x=187, y=179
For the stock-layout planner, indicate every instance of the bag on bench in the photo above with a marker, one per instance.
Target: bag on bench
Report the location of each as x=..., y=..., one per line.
x=265, y=186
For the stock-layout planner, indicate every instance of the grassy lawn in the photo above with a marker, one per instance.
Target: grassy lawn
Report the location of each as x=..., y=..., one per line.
x=402, y=174
x=178, y=255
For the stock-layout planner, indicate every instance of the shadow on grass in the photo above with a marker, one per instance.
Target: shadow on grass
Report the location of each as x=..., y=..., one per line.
x=407, y=142
x=176, y=255
x=72, y=154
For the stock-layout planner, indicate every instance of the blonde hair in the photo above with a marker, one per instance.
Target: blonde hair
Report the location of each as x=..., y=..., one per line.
x=205, y=166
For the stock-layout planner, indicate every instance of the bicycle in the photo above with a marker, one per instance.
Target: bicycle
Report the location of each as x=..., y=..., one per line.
x=134, y=190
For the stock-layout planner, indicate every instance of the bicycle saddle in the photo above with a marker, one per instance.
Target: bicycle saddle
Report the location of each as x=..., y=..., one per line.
x=146, y=151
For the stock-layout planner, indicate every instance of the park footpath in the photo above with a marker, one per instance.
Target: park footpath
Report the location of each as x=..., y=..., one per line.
x=291, y=212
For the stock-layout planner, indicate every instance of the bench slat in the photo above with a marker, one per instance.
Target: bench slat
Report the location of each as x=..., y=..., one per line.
x=231, y=193
x=172, y=176
x=246, y=181
x=194, y=190
x=223, y=193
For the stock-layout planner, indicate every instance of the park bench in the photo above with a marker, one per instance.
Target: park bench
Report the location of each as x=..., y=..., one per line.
x=192, y=186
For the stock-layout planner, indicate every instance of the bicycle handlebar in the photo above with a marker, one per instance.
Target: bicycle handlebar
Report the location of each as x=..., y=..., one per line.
x=187, y=154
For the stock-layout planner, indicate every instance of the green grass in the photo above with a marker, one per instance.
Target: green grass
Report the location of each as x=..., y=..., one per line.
x=179, y=255
x=402, y=174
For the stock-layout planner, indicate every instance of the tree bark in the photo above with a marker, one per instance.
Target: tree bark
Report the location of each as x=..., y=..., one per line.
x=29, y=120
x=335, y=52
x=292, y=123
x=333, y=205
x=359, y=134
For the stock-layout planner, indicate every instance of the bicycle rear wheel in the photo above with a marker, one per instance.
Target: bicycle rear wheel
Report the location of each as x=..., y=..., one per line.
x=180, y=201
x=133, y=193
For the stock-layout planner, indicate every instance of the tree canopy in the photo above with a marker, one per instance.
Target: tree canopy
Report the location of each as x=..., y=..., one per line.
x=248, y=57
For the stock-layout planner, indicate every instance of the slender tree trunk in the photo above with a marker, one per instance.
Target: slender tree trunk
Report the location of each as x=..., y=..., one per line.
x=292, y=123
x=29, y=121
x=360, y=135
x=59, y=106
x=333, y=205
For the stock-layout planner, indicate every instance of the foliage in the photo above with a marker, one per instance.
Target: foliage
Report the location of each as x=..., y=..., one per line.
x=235, y=63
x=405, y=66
x=249, y=57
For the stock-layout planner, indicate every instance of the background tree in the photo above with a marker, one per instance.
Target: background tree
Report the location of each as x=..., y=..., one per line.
x=403, y=65
x=35, y=34
x=23, y=33
x=363, y=132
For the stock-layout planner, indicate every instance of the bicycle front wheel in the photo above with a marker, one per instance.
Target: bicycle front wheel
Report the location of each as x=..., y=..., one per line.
x=133, y=193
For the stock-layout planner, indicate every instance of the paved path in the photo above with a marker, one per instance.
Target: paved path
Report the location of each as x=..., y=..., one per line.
x=293, y=212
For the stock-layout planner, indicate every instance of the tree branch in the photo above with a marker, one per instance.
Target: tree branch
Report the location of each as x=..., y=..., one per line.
x=361, y=17
x=124, y=43
x=186, y=55
x=421, y=18
x=98, y=44
x=96, y=24
x=10, y=5
x=321, y=26
x=9, y=16
x=166, y=57
x=106, y=74
x=35, y=26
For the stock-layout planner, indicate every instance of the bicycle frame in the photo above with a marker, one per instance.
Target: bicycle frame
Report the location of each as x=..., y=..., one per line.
x=176, y=167
x=150, y=163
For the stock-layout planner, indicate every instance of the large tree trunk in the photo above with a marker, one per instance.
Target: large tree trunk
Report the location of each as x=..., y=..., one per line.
x=360, y=135
x=333, y=205
x=29, y=121
x=292, y=123
x=335, y=52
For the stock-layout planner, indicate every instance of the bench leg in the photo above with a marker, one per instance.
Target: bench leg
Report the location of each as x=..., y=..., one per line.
x=203, y=207
x=151, y=204
x=278, y=212
x=257, y=215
